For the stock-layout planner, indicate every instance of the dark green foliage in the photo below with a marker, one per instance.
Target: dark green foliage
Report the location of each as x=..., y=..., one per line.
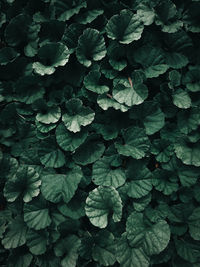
x=99, y=133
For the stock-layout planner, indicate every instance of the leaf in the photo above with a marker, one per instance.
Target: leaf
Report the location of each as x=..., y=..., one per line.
x=67, y=9
x=92, y=83
x=50, y=155
x=7, y=54
x=25, y=183
x=162, y=149
x=69, y=248
x=128, y=256
x=16, y=234
x=136, y=143
x=129, y=95
x=90, y=151
x=165, y=181
x=106, y=101
x=60, y=187
x=152, y=59
x=36, y=214
x=153, y=238
x=89, y=16
x=67, y=140
x=181, y=99
x=102, y=202
x=77, y=115
x=140, y=179
x=188, y=250
x=37, y=241
x=51, y=116
x=51, y=56
x=125, y=27
x=104, y=174
x=29, y=89
x=20, y=258
x=91, y=46
x=191, y=80
x=194, y=223
x=188, y=152
x=104, y=248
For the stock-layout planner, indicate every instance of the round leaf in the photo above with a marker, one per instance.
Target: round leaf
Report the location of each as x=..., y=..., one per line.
x=26, y=182
x=181, y=99
x=101, y=202
x=67, y=140
x=103, y=174
x=91, y=46
x=36, y=214
x=125, y=28
x=60, y=187
x=77, y=115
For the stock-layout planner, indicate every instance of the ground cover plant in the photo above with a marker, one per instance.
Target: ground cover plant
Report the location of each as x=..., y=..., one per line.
x=99, y=133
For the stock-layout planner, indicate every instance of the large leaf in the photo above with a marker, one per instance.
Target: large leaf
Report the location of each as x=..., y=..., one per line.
x=36, y=214
x=125, y=27
x=52, y=115
x=152, y=238
x=25, y=183
x=91, y=46
x=51, y=56
x=67, y=140
x=152, y=59
x=90, y=151
x=136, y=143
x=77, y=115
x=92, y=83
x=16, y=234
x=140, y=179
x=129, y=256
x=68, y=247
x=194, y=224
x=60, y=187
x=37, y=241
x=188, y=152
x=181, y=99
x=100, y=203
x=104, y=173
x=106, y=101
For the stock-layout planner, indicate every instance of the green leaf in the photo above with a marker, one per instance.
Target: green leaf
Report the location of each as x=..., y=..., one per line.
x=60, y=187
x=181, y=99
x=194, y=224
x=29, y=89
x=68, y=247
x=153, y=238
x=152, y=59
x=20, y=258
x=106, y=101
x=140, y=179
x=129, y=256
x=104, y=249
x=102, y=202
x=104, y=174
x=188, y=250
x=91, y=46
x=191, y=80
x=92, y=83
x=50, y=155
x=188, y=120
x=24, y=183
x=51, y=56
x=189, y=153
x=89, y=16
x=16, y=234
x=77, y=115
x=162, y=149
x=188, y=175
x=52, y=115
x=130, y=95
x=67, y=9
x=36, y=214
x=125, y=27
x=90, y=151
x=67, y=140
x=7, y=54
x=37, y=241
x=165, y=181
x=136, y=143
